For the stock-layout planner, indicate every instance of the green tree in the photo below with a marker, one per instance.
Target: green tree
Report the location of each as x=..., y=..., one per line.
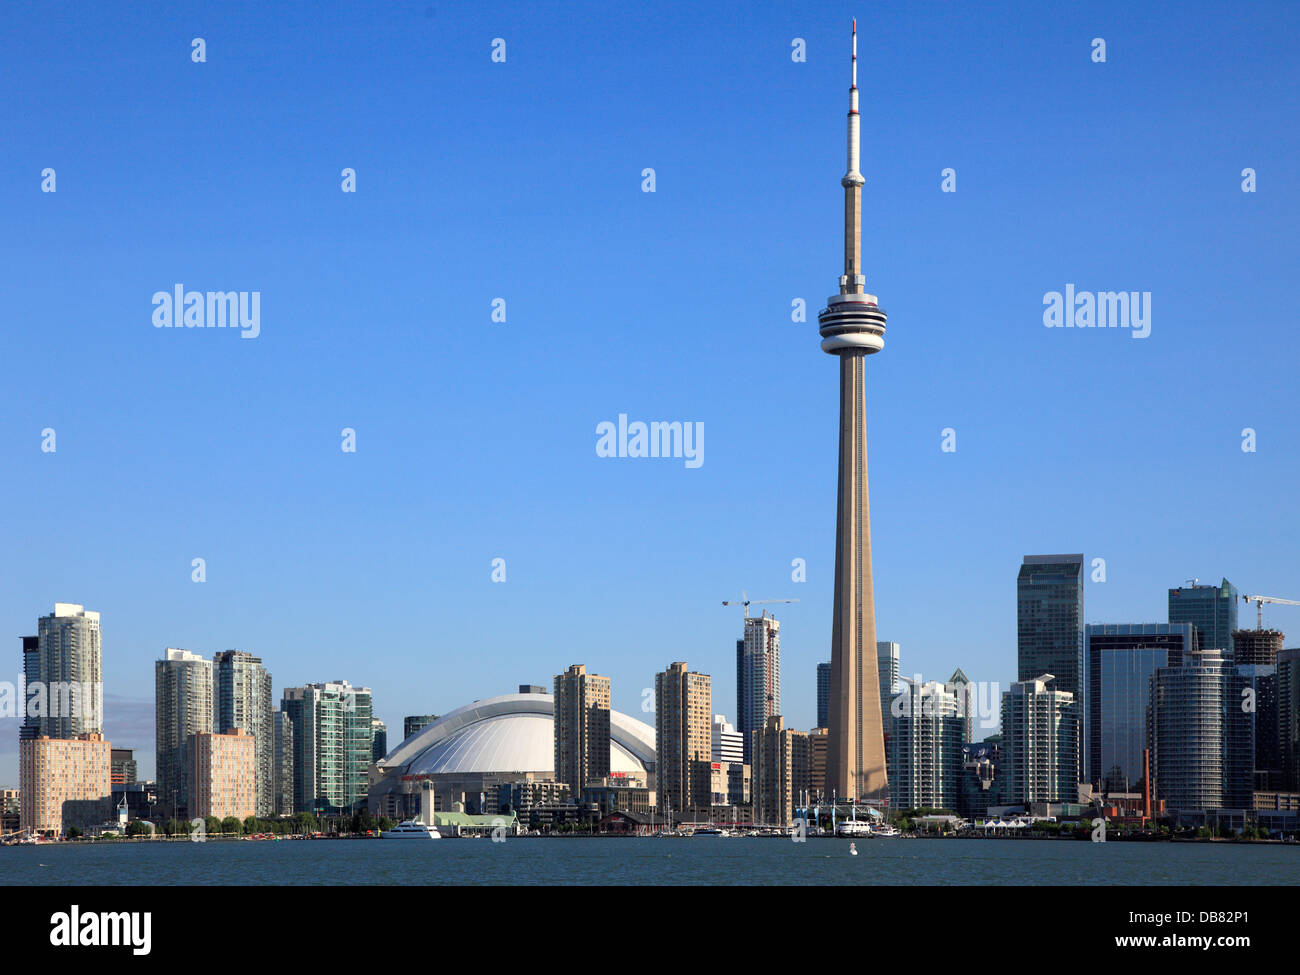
x=230, y=825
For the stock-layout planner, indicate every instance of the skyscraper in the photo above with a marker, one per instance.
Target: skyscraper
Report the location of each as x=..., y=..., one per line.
x=243, y=698
x=183, y=707
x=1211, y=609
x=758, y=675
x=379, y=739
x=1049, y=620
x=852, y=327
x=282, y=765
x=683, y=738
x=581, y=727
x=1288, y=716
x=887, y=664
x=332, y=745
x=1201, y=748
x=1040, y=728
x=925, y=747
x=781, y=771
x=960, y=686
x=823, y=695
x=31, y=724
x=70, y=671
x=1122, y=657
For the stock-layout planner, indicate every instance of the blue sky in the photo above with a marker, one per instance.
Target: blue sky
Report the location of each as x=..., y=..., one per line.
x=522, y=180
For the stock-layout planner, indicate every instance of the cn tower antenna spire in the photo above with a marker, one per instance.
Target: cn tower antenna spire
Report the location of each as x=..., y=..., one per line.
x=853, y=283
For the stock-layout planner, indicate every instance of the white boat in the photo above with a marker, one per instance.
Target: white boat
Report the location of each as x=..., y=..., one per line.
x=886, y=831
x=853, y=827
x=411, y=830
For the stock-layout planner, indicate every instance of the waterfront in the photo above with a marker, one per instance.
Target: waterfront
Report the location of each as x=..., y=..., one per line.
x=652, y=862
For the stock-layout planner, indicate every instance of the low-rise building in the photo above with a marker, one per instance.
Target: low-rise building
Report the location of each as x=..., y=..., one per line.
x=63, y=782
x=223, y=775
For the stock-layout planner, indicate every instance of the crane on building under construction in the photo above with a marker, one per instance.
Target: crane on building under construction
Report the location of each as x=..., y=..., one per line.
x=1259, y=602
x=744, y=602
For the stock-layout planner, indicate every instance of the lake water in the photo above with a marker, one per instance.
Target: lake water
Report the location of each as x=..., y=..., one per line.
x=652, y=861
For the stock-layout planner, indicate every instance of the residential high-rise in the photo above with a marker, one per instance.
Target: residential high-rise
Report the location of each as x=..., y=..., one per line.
x=582, y=703
x=823, y=694
x=243, y=697
x=887, y=664
x=1122, y=657
x=758, y=674
x=69, y=669
x=282, y=765
x=780, y=772
x=1288, y=717
x=818, y=739
x=852, y=327
x=925, y=745
x=31, y=724
x=332, y=746
x=122, y=768
x=683, y=738
x=379, y=739
x=1201, y=749
x=63, y=782
x=223, y=775
x=728, y=743
x=413, y=724
x=183, y=706
x=1211, y=609
x=961, y=687
x=1040, y=728
x=1259, y=647
x=1259, y=687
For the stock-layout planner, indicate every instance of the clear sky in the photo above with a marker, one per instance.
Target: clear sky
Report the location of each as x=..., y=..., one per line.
x=522, y=180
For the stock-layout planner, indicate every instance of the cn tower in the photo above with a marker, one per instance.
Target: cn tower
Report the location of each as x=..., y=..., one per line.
x=852, y=327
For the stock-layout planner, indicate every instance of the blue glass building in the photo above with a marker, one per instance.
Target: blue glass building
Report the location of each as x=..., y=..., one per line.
x=1211, y=609
x=1121, y=659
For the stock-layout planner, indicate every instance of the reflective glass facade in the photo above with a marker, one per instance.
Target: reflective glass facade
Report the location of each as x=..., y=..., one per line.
x=1121, y=658
x=1211, y=609
x=1049, y=614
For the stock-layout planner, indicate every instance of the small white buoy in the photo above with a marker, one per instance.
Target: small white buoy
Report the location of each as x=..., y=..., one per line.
x=853, y=849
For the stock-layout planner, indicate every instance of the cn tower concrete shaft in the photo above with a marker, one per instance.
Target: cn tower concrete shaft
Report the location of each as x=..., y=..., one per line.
x=852, y=327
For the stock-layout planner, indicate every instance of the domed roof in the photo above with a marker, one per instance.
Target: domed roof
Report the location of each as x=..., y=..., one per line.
x=512, y=733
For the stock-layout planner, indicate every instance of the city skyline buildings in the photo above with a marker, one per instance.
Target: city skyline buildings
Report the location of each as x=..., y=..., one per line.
x=244, y=698
x=154, y=602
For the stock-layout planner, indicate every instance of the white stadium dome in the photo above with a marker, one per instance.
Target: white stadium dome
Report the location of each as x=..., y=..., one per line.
x=511, y=733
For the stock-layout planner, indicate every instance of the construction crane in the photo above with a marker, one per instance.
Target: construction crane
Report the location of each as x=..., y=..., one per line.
x=745, y=602
x=1259, y=602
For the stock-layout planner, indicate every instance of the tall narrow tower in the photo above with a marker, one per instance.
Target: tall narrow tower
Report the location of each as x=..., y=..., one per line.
x=853, y=327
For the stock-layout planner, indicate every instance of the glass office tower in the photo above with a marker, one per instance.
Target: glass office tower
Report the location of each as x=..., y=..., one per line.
x=1049, y=626
x=1121, y=658
x=1211, y=609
